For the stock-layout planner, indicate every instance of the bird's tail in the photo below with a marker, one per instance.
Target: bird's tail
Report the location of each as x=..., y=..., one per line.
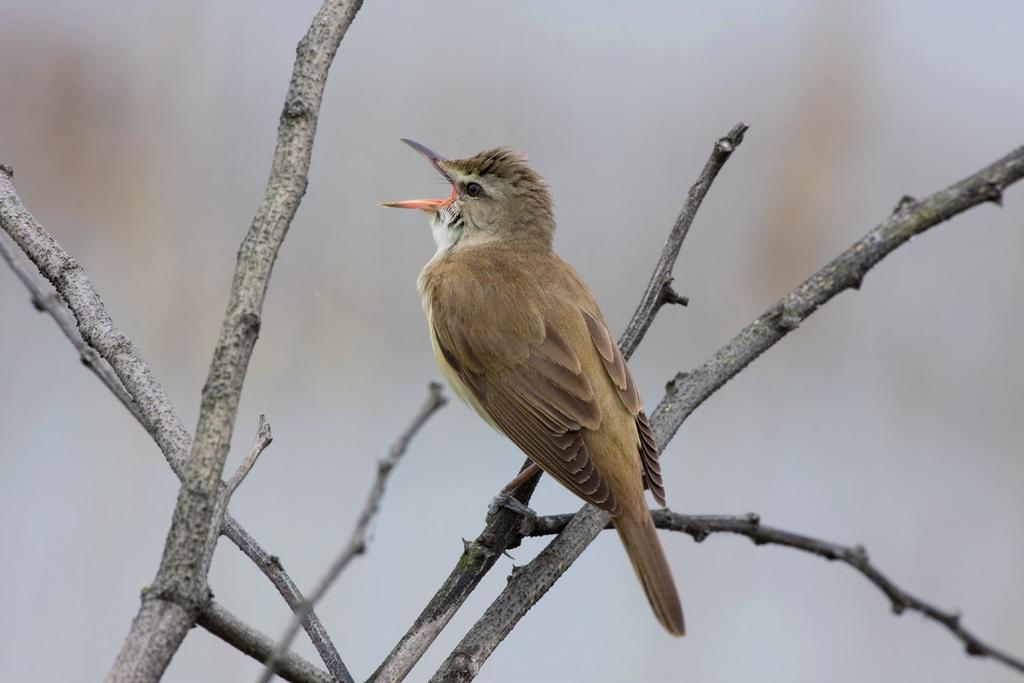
x=638, y=534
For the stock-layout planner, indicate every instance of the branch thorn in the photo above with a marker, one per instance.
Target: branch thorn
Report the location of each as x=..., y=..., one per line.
x=669, y=295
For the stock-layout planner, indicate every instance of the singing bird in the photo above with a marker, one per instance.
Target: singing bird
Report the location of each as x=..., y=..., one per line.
x=519, y=337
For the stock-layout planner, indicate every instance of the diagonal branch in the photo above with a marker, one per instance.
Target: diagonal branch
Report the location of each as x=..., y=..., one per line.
x=46, y=300
x=503, y=527
x=357, y=543
x=229, y=628
x=168, y=620
x=659, y=290
x=168, y=433
x=702, y=526
x=847, y=270
x=180, y=589
x=95, y=326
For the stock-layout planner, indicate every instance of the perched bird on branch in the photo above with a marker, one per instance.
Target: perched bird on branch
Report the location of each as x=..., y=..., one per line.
x=519, y=337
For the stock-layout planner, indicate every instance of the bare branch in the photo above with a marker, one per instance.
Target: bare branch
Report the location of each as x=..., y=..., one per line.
x=46, y=300
x=263, y=439
x=844, y=272
x=267, y=563
x=357, y=543
x=220, y=507
x=99, y=332
x=659, y=290
x=229, y=628
x=530, y=582
x=503, y=527
x=96, y=328
x=701, y=526
x=272, y=568
x=179, y=590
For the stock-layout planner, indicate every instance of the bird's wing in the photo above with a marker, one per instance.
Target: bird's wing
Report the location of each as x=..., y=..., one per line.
x=618, y=372
x=534, y=389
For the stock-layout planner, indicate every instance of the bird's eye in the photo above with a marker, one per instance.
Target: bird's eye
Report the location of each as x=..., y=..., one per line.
x=474, y=189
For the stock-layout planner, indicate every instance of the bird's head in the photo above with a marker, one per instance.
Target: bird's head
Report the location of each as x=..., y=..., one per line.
x=495, y=195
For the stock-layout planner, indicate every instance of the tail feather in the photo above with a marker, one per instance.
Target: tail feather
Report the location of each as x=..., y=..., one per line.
x=640, y=538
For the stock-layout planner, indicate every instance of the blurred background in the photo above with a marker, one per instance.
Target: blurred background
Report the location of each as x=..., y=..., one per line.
x=141, y=135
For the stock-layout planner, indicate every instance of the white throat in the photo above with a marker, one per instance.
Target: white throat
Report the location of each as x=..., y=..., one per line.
x=446, y=226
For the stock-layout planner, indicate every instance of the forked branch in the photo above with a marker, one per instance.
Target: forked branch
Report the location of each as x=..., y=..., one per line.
x=357, y=543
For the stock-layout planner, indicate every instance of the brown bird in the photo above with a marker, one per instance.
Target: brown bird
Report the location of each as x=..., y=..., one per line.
x=519, y=337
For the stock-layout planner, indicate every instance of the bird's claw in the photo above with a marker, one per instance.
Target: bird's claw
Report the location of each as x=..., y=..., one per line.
x=505, y=500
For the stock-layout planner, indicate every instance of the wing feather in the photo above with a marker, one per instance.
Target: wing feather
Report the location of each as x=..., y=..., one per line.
x=541, y=404
x=618, y=372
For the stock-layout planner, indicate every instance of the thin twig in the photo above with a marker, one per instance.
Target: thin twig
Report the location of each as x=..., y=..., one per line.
x=659, y=290
x=272, y=568
x=263, y=439
x=226, y=491
x=168, y=432
x=357, y=543
x=233, y=631
x=701, y=526
x=502, y=530
x=530, y=582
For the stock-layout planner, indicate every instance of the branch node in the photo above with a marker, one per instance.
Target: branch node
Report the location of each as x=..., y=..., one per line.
x=698, y=532
x=788, y=320
x=670, y=386
x=729, y=143
x=296, y=108
x=753, y=518
x=993, y=193
x=668, y=295
x=905, y=203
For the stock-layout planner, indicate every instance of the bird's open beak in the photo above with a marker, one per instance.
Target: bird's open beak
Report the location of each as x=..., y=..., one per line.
x=425, y=204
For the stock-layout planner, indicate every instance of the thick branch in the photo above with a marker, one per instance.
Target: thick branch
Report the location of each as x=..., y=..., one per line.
x=229, y=628
x=503, y=526
x=180, y=590
x=702, y=526
x=357, y=543
x=530, y=583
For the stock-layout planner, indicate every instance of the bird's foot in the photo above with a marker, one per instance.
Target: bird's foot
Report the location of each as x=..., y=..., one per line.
x=505, y=500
